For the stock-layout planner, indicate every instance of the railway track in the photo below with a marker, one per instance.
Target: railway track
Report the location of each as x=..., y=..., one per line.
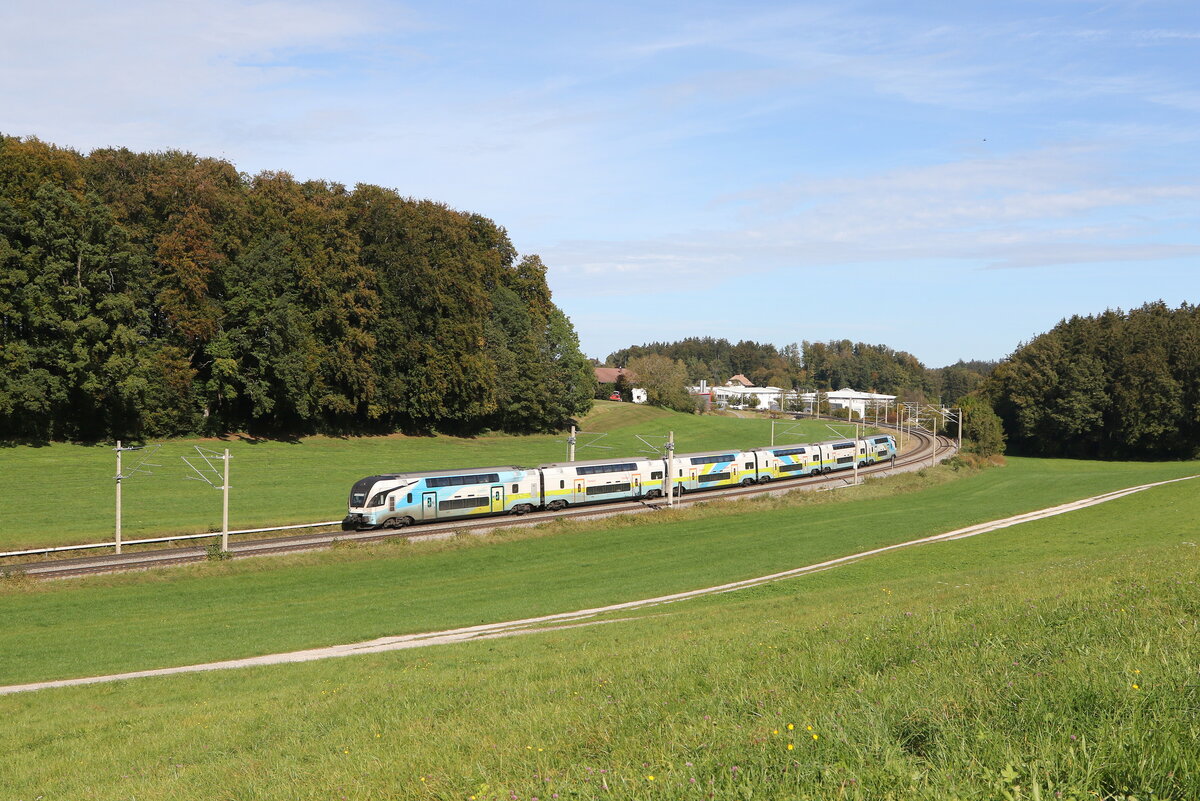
x=928, y=451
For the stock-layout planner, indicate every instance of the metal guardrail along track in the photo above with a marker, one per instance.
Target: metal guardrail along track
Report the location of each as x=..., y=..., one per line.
x=929, y=450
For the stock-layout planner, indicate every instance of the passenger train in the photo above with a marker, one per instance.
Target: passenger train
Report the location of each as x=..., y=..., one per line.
x=401, y=499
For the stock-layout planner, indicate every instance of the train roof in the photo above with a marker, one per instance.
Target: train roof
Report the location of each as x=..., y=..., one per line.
x=785, y=446
x=462, y=471
x=733, y=451
x=614, y=460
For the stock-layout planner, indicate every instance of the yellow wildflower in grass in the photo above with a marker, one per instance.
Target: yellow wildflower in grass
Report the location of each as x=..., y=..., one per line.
x=790, y=727
x=809, y=728
x=1136, y=687
x=774, y=731
x=816, y=737
x=790, y=746
x=649, y=778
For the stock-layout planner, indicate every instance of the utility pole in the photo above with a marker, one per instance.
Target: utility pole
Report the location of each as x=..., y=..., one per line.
x=571, y=445
x=203, y=475
x=118, y=534
x=933, y=425
x=668, y=482
x=225, y=506
x=960, y=426
x=120, y=476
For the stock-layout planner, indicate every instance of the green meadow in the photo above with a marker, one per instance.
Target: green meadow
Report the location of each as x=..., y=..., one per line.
x=65, y=494
x=1054, y=659
x=249, y=607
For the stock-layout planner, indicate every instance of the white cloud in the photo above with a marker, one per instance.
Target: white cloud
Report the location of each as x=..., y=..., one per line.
x=1050, y=207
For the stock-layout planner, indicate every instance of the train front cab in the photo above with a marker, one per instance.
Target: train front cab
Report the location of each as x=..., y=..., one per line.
x=395, y=501
x=879, y=448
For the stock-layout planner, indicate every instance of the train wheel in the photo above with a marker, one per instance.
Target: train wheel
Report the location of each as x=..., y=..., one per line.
x=816, y=471
x=827, y=470
x=555, y=506
x=677, y=491
x=747, y=481
x=764, y=479
x=399, y=522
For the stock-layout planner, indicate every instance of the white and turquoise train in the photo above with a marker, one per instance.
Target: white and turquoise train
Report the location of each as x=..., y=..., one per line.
x=401, y=499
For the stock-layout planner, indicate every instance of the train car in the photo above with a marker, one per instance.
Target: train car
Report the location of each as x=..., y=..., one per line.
x=786, y=461
x=401, y=499
x=598, y=480
x=837, y=455
x=877, y=448
x=696, y=471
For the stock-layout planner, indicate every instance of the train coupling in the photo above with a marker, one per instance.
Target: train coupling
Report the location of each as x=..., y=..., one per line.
x=352, y=522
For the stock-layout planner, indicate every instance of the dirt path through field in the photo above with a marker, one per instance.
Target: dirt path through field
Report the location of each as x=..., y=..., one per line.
x=582, y=617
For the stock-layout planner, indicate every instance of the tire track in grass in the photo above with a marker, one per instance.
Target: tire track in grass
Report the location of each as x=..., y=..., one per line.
x=583, y=617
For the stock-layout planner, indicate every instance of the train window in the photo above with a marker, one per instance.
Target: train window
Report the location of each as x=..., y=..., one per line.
x=463, y=481
x=749, y=465
x=656, y=475
x=725, y=457
x=608, y=489
x=409, y=498
x=562, y=485
x=515, y=488
x=464, y=503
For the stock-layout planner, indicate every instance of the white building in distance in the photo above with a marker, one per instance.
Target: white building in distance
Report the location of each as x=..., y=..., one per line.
x=739, y=395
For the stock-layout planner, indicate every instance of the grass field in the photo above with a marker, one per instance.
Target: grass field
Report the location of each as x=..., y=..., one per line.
x=250, y=607
x=1056, y=659
x=64, y=494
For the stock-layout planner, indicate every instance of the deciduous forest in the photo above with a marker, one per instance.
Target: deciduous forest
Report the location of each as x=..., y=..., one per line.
x=815, y=365
x=155, y=294
x=1112, y=385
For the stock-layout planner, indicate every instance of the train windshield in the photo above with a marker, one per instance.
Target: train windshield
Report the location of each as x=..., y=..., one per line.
x=362, y=488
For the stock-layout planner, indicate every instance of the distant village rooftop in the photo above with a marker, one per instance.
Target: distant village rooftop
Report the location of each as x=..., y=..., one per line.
x=609, y=375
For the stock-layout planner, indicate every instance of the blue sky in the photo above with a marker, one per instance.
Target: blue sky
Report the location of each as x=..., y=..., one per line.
x=946, y=179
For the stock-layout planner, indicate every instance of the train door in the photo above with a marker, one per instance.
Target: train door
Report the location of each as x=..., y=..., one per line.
x=636, y=483
x=497, y=499
x=580, y=490
x=429, y=506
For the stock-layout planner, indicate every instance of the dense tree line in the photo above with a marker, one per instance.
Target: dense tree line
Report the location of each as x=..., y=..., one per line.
x=1117, y=384
x=813, y=365
x=151, y=294
x=716, y=360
